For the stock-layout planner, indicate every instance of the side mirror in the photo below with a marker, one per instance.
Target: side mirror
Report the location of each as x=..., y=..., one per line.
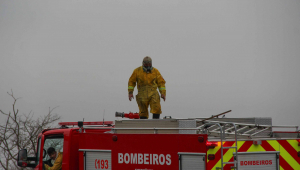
x=22, y=158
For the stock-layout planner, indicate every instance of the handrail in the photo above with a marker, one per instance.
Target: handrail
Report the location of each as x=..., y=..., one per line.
x=154, y=128
x=221, y=137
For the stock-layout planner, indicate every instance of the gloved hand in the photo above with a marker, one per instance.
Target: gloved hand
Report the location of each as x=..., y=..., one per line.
x=130, y=96
x=163, y=96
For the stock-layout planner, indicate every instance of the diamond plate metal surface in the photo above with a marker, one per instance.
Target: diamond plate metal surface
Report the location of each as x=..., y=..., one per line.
x=187, y=124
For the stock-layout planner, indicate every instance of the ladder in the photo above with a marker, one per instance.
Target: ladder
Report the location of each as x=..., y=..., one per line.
x=222, y=131
x=241, y=130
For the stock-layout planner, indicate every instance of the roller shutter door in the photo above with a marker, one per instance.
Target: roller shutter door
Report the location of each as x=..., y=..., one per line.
x=192, y=161
x=258, y=160
x=97, y=159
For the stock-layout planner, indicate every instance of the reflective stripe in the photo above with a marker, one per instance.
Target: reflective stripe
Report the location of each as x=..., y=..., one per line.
x=130, y=87
x=256, y=148
x=294, y=144
x=162, y=88
x=227, y=155
x=288, y=158
x=285, y=152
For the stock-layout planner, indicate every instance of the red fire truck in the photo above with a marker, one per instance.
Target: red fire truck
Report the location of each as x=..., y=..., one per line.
x=170, y=144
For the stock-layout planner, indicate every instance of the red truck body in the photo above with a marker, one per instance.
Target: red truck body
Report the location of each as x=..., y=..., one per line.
x=105, y=147
x=158, y=151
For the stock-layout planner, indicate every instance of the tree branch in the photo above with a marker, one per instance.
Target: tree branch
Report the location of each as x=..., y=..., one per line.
x=21, y=131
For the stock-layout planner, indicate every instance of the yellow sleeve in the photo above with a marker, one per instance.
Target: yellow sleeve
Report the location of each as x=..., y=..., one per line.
x=57, y=164
x=161, y=83
x=46, y=166
x=132, y=82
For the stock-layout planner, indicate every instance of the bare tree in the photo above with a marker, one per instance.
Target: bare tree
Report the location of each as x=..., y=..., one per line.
x=20, y=131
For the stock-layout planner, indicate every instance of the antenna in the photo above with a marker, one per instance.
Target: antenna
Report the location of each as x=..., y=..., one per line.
x=103, y=116
x=82, y=126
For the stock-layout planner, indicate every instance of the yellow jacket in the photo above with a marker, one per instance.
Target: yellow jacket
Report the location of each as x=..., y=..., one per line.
x=57, y=164
x=144, y=80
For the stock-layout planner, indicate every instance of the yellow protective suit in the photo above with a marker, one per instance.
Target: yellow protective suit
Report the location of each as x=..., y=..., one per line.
x=57, y=164
x=147, y=83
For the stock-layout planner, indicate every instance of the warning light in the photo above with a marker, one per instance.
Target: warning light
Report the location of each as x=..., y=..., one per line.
x=201, y=139
x=298, y=142
x=211, y=157
x=24, y=164
x=212, y=145
x=114, y=138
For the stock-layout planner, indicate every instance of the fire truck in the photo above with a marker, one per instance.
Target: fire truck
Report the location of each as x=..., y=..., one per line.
x=170, y=144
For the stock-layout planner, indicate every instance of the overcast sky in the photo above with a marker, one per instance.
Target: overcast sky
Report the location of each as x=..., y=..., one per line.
x=215, y=56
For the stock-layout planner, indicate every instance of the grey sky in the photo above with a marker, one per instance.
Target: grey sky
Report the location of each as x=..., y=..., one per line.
x=214, y=55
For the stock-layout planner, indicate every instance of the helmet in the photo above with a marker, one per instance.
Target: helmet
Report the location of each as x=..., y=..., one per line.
x=147, y=64
x=147, y=59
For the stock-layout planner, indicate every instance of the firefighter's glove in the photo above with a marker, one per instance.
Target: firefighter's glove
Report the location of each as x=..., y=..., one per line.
x=130, y=96
x=163, y=97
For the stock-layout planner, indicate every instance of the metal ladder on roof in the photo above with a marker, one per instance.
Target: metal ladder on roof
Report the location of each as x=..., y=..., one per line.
x=223, y=130
x=239, y=129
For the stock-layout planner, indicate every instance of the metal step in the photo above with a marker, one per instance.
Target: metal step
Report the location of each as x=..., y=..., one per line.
x=232, y=147
x=234, y=162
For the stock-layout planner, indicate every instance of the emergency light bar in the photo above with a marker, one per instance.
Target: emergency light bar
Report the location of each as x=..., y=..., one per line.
x=86, y=123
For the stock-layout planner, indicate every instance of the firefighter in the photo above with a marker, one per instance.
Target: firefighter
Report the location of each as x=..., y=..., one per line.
x=56, y=159
x=148, y=79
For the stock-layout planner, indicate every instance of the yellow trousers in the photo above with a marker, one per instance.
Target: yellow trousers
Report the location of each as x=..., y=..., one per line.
x=145, y=98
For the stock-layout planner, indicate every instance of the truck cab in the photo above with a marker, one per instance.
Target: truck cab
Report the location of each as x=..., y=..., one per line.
x=64, y=140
